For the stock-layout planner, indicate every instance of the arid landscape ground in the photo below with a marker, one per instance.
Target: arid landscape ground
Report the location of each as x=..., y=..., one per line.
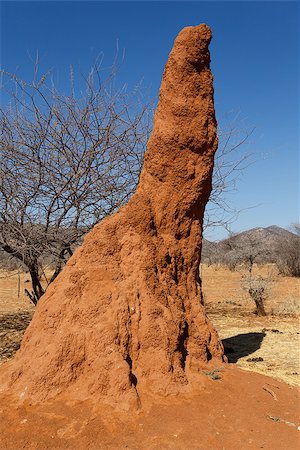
x=264, y=345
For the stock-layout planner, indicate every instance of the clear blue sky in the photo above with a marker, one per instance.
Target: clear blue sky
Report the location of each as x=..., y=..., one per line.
x=255, y=60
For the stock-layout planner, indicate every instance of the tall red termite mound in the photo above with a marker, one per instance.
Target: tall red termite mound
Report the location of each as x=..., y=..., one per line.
x=125, y=315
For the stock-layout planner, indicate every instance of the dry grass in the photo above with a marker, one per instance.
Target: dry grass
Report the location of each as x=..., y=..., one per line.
x=288, y=307
x=12, y=292
x=223, y=290
x=269, y=345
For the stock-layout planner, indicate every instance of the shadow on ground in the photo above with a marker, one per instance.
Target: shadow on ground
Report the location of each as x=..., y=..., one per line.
x=242, y=345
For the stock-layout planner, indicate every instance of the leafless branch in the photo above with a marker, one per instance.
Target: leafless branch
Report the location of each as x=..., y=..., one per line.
x=66, y=162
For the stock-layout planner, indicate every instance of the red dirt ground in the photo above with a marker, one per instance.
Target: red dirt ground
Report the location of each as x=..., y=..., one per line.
x=241, y=410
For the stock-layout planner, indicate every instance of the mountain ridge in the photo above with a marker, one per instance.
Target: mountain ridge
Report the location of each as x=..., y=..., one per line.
x=267, y=245
x=273, y=229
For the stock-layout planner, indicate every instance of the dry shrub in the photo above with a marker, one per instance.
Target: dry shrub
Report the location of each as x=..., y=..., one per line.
x=289, y=307
x=259, y=290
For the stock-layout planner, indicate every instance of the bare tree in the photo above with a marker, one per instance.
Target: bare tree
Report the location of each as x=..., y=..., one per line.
x=258, y=288
x=232, y=158
x=288, y=253
x=296, y=228
x=246, y=249
x=242, y=249
x=67, y=161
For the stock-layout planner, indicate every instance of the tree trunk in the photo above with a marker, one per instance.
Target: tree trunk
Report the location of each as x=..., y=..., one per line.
x=258, y=297
x=260, y=309
x=37, y=288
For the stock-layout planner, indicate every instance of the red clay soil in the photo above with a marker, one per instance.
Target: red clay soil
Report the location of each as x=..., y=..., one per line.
x=242, y=410
x=120, y=352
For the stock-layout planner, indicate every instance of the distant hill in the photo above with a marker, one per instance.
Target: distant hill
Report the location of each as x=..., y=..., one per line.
x=271, y=244
x=280, y=231
x=268, y=237
x=272, y=234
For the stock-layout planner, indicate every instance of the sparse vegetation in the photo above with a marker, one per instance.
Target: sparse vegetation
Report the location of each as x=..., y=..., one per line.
x=288, y=253
x=288, y=307
x=271, y=245
x=214, y=374
x=258, y=288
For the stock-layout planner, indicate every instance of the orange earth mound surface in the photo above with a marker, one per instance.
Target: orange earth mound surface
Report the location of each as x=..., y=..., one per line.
x=125, y=315
x=241, y=410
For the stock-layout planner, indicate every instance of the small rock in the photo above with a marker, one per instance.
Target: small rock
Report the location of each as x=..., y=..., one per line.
x=257, y=359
